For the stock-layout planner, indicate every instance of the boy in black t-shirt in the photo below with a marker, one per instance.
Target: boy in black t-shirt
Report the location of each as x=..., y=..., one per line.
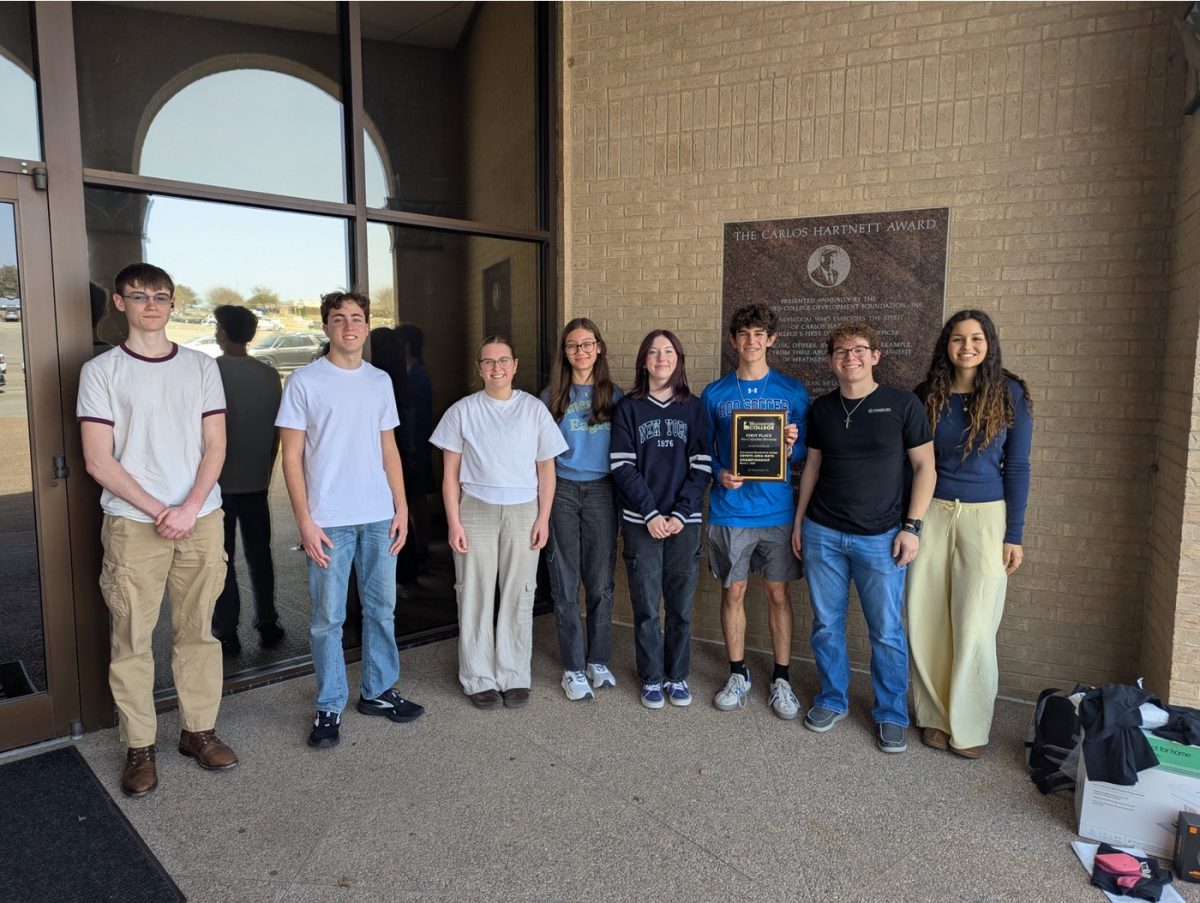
x=849, y=526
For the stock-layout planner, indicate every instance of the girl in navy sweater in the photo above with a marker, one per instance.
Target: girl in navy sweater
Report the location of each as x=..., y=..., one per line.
x=660, y=463
x=982, y=430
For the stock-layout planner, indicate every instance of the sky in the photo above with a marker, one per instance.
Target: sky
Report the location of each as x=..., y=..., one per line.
x=262, y=131
x=19, y=129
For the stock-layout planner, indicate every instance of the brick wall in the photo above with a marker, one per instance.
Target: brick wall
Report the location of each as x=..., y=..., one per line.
x=1171, y=649
x=1051, y=131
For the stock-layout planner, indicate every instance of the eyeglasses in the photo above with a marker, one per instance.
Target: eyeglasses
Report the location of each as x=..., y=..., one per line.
x=143, y=298
x=859, y=351
x=491, y=363
x=586, y=347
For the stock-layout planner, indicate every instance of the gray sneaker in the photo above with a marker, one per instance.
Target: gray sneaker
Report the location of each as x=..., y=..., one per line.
x=821, y=719
x=733, y=694
x=891, y=737
x=783, y=701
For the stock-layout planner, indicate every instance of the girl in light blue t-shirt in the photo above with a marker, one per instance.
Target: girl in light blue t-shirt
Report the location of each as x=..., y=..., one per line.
x=583, y=521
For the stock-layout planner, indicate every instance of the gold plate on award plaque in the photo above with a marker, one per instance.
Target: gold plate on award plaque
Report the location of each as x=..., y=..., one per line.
x=760, y=445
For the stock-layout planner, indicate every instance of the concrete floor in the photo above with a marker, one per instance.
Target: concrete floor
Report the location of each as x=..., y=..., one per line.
x=596, y=801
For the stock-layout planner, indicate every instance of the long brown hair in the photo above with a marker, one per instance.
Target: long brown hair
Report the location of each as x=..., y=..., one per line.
x=992, y=408
x=678, y=383
x=560, y=380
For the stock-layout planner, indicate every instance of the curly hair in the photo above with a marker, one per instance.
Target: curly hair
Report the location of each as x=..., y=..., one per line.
x=754, y=316
x=602, y=385
x=992, y=408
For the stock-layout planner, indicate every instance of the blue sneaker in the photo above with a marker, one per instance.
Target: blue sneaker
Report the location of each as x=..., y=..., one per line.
x=652, y=696
x=677, y=692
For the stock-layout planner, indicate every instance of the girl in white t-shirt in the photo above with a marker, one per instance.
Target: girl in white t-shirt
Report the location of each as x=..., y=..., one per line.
x=499, y=447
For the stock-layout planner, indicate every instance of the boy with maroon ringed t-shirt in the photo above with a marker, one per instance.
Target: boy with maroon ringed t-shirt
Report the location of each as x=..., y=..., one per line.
x=152, y=418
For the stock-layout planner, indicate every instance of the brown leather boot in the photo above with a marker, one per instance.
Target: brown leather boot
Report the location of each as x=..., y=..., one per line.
x=207, y=749
x=140, y=774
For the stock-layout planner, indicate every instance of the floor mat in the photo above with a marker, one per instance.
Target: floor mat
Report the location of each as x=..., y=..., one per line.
x=63, y=838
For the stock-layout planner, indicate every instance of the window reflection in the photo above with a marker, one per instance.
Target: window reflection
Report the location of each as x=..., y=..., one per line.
x=22, y=645
x=20, y=131
x=252, y=129
x=454, y=289
x=244, y=95
x=277, y=264
x=451, y=103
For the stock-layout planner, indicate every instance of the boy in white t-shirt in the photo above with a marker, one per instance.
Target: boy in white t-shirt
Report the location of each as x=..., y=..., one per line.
x=152, y=418
x=346, y=484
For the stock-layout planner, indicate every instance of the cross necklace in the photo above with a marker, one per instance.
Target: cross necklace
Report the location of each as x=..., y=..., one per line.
x=852, y=410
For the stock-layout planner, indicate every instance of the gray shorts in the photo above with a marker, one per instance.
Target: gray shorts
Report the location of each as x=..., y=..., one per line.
x=736, y=552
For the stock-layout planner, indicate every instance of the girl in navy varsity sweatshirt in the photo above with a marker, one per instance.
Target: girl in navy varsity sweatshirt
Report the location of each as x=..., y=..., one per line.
x=660, y=463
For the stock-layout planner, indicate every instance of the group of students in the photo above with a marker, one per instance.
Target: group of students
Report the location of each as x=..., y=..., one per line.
x=906, y=494
x=561, y=472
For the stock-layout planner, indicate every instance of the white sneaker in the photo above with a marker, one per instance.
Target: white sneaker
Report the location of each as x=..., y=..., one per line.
x=575, y=685
x=783, y=701
x=733, y=694
x=600, y=676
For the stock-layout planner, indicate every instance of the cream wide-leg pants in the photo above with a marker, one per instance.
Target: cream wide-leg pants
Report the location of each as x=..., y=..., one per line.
x=956, y=590
x=498, y=538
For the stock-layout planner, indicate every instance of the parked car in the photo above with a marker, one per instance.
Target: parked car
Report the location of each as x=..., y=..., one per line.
x=12, y=314
x=3, y=368
x=288, y=350
x=206, y=344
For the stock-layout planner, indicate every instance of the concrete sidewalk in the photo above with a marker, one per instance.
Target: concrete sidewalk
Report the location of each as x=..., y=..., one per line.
x=596, y=801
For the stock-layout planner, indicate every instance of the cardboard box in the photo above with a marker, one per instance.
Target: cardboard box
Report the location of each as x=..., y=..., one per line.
x=1144, y=814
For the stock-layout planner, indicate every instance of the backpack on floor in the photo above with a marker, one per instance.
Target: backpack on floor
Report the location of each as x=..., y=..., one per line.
x=1054, y=741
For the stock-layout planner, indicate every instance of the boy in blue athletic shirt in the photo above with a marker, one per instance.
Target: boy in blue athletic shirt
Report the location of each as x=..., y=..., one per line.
x=750, y=522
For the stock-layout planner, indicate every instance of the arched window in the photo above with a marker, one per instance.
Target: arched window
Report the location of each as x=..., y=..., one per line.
x=257, y=129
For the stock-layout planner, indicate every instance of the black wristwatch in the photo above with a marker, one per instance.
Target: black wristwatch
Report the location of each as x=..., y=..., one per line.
x=912, y=526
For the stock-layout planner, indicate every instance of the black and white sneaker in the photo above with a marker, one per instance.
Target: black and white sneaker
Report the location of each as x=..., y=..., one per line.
x=391, y=705
x=325, y=730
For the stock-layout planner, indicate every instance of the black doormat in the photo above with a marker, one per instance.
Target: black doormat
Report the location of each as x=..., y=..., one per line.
x=63, y=838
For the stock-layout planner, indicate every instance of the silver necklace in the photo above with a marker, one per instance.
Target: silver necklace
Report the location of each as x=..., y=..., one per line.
x=765, y=380
x=852, y=410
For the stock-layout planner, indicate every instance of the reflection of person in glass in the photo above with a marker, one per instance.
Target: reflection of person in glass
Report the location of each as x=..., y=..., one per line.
x=498, y=450
x=982, y=431
x=152, y=417
x=418, y=456
x=826, y=274
x=660, y=463
x=346, y=484
x=252, y=394
x=583, y=522
x=388, y=355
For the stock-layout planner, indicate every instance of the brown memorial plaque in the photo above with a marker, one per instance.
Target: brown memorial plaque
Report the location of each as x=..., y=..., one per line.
x=887, y=270
x=759, y=447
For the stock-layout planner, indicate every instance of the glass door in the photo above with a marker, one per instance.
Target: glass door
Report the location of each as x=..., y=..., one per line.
x=38, y=667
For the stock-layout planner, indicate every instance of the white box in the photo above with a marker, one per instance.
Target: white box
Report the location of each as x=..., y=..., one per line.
x=1144, y=814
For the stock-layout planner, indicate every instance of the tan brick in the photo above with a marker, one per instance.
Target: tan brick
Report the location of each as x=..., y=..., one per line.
x=1052, y=132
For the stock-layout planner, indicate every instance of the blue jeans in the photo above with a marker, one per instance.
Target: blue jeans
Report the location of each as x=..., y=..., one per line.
x=365, y=546
x=662, y=569
x=583, y=546
x=831, y=560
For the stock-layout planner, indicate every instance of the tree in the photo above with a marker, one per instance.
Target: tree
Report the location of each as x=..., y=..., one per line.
x=262, y=298
x=383, y=304
x=185, y=297
x=223, y=294
x=10, y=287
